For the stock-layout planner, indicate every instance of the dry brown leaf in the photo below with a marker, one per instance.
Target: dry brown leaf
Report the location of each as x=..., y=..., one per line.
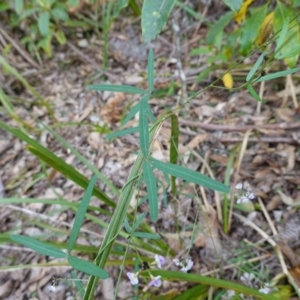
x=208, y=235
x=193, y=143
x=113, y=109
x=285, y=114
x=223, y=160
x=175, y=240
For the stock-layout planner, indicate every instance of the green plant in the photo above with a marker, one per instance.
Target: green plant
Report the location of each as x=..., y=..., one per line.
x=143, y=171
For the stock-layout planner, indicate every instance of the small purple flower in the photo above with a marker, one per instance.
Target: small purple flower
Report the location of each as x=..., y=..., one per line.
x=188, y=265
x=239, y=186
x=133, y=277
x=185, y=265
x=156, y=282
x=177, y=262
x=159, y=260
x=244, y=195
x=265, y=290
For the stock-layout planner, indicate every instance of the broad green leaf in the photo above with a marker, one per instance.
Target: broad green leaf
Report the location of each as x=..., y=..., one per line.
x=19, y=5
x=116, y=88
x=174, y=149
x=57, y=163
x=150, y=71
x=139, y=220
x=78, y=284
x=293, y=52
x=151, y=190
x=155, y=14
x=253, y=93
x=122, y=132
x=43, y=23
x=278, y=74
x=256, y=66
x=218, y=27
x=81, y=213
x=234, y=5
x=292, y=37
x=146, y=235
x=87, y=267
x=73, y=2
x=251, y=28
x=190, y=175
x=58, y=13
x=144, y=127
x=38, y=246
x=134, y=110
x=45, y=44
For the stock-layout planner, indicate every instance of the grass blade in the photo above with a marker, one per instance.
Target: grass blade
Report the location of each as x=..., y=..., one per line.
x=174, y=149
x=38, y=246
x=151, y=190
x=81, y=213
x=256, y=66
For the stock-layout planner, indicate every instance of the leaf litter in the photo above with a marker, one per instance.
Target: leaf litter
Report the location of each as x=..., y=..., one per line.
x=216, y=123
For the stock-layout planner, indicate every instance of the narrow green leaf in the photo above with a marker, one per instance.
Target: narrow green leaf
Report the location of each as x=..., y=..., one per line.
x=56, y=163
x=116, y=88
x=38, y=246
x=218, y=27
x=144, y=127
x=134, y=110
x=139, y=220
x=87, y=267
x=174, y=148
x=43, y=23
x=78, y=284
x=81, y=213
x=150, y=71
x=210, y=281
x=278, y=74
x=282, y=36
x=251, y=28
x=150, y=114
x=146, y=235
x=151, y=190
x=122, y=132
x=85, y=161
x=154, y=16
x=190, y=175
x=253, y=93
x=127, y=226
x=256, y=66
